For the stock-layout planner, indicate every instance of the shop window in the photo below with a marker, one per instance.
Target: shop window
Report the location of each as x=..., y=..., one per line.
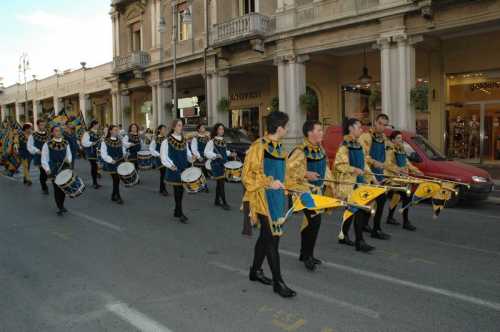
x=246, y=7
x=247, y=120
x=355, y=102
x=184, y=20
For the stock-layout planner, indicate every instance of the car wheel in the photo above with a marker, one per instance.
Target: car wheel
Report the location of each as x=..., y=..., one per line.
x=453, y=202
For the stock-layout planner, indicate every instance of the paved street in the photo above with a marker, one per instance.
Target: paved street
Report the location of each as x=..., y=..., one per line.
x=105, y=267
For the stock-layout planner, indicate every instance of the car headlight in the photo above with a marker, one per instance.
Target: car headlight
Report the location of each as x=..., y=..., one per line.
x=479, y=179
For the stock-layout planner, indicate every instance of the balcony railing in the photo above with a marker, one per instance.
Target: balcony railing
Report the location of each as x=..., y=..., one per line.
x=133, y=61
x=240, y=28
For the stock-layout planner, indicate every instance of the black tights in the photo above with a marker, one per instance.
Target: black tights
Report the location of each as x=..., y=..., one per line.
x=378, y=213
x=267, y=246
x=43, y=179
x=59, y=196
x=163, y=171
x=178, y=193
x=405, y=200
x=220, y=192
x=360, y=219
x=116, y=185
x=309, y=234
x=93, y=170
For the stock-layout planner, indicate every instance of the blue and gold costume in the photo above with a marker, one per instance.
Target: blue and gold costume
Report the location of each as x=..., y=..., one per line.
x=158, y=140
x=135, y=141
x=57, y=155
x=217, y=164
x=177, y=153
x=39, y=139
x=115, y=151
x=91, y=151
x=375, y=145
x=23, y=148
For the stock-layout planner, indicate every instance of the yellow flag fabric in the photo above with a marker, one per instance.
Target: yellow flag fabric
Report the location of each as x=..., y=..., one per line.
x=320, y=203
x=363, y=195
x=426, y=190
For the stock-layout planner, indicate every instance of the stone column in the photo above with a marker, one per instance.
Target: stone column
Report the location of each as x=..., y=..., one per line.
x=217, y=84
x=36, y=108
x=125, y=119
x=84, y=102
x=154, y=103
x=3, y=112
x=291, y=85
x=115, y=103
x=19, y=110
x=115, y=25
x=57, y=104
x=384, y=44
x=164, y=98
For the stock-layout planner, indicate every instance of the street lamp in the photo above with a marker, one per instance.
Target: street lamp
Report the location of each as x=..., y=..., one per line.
x=24, y=67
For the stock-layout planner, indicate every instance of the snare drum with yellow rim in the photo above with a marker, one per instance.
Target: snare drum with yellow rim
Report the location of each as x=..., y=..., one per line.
x=193, y=180
x=233, y=170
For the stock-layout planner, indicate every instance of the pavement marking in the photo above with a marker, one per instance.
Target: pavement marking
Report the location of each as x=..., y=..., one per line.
x=136, y=318
x=397, y=281
x=96, y=221
x=421, y=260
x=361, y=310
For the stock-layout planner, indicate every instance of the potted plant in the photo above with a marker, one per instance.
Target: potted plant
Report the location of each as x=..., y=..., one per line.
x=275, y=104
x=127, y=110
x=223, y=105
x=419, y=97
x=308, y=102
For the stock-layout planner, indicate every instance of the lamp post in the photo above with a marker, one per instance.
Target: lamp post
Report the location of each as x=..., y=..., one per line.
x=24, y=67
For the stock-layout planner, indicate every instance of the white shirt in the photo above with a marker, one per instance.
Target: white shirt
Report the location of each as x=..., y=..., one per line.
x=152, y=149
x=209, y=149
x=86, y=140
x=126, y=142
x=194, y=147
x=165, y=160
x=31, y=146
x=104, y=151
x=46, y=155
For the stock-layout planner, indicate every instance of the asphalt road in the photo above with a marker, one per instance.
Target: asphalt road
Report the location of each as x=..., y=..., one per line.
x=105, y=267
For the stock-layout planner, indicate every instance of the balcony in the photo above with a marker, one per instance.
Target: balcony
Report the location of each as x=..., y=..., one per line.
x=241, y=28
x=135, y=61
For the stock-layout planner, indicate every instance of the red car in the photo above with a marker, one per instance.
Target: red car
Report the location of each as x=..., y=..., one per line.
x=431, y=162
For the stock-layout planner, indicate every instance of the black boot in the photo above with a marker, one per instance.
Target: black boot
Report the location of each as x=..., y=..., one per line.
x=408, y=226
x=367, y=228
x=309, y=264
x=390, y=218
x=258, y=275
x=315, y=260
x=378, y=234
x=282, y=289
x=363, y=246
x=346, y=241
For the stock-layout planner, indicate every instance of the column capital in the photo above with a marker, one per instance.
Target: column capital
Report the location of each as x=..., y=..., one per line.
x=383, y=43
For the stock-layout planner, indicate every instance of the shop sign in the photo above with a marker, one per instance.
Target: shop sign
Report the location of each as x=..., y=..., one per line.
x=238, y=96
x=484, y=85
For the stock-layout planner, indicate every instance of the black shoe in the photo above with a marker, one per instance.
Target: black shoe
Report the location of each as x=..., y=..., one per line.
x=97, y=186
x=282, y=289
x=315, y=260
x=363, y=246
x=367, y=229
x=392, y=221
x=346, y=241
x=119, y=200
x=408, y=225
x=258, y=275
x=309, y=264
x=183, y=219
x=99, y=175
x=217, y=203
x=60, y=213
x=206, y=190
x=63, y=210
x=378, y=234
x=164, y=193
x=225, y=206
x=45, y=191
x=114, y=198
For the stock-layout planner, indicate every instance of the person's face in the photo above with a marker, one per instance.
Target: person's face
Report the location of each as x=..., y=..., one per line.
x=163, y=131
x=27, y=132
x=115, y=132
x=398, y=139
x=474, y=118
x=134, y=129
x=315, y=136
x=220, y=131
x=42, y=125
x=281, y=131
x=380, y=125
x=202, y=130
x=355, y=130
x=96, y=126
x=57, y=132
x=178, y=127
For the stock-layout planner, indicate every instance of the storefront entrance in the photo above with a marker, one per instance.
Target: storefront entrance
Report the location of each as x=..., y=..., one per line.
x=246, y=119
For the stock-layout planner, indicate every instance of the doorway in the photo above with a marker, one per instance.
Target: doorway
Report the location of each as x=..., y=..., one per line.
x=247, y=120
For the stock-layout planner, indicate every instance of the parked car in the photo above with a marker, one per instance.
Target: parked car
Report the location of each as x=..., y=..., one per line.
x=431, y=162
x=236, y=140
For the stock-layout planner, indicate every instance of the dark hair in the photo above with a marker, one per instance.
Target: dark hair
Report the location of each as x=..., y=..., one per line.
x=348, y=122
x=110, y=128
x=173, y=124
x=27, y=126
x=199, y=126
x=275, y=120
x=394, y=134
x=216, y=128
x=93, y=123
x=39, y=121
x=309, y=126
x=160, y=127
x=54, y=128
x=136, y=126
x=382, y=116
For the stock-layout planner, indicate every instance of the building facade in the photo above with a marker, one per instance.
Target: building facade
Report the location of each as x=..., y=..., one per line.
x=432, y=65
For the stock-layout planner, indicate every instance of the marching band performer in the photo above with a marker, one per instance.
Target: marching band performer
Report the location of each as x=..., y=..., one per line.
x=154, y=148
x=350, y=167
x=374, y=143
x=218, y=153
x=307, y=166
x=90, y=141
x=198, y=143
x=56, y=153
x=35, y=145
x=69, y=135
x=132, y=142
x=176, y=157
x=113, y=153
x=24, y=154
x=263, y=177
x=397, y=164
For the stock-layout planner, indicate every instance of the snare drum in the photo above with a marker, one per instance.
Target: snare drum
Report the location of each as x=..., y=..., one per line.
x=144, y=160
x=128, y=174
x=193, y=180
x=233, y=170
x=69, y=183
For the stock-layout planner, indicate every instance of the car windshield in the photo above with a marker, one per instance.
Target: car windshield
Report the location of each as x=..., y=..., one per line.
x=236, y=136
x=431, y=152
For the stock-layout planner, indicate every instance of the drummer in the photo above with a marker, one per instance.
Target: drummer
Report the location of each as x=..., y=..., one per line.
x=350, y=166
x=154, y=148
x=397, y=164
x=24, y=154
x=217, y=152
x=90, y=141
x=113, y=153
x=132, y=142
x=176, y=157
x=307, y=166
x=56, y=153
x=198, y=143
x=35, y=144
